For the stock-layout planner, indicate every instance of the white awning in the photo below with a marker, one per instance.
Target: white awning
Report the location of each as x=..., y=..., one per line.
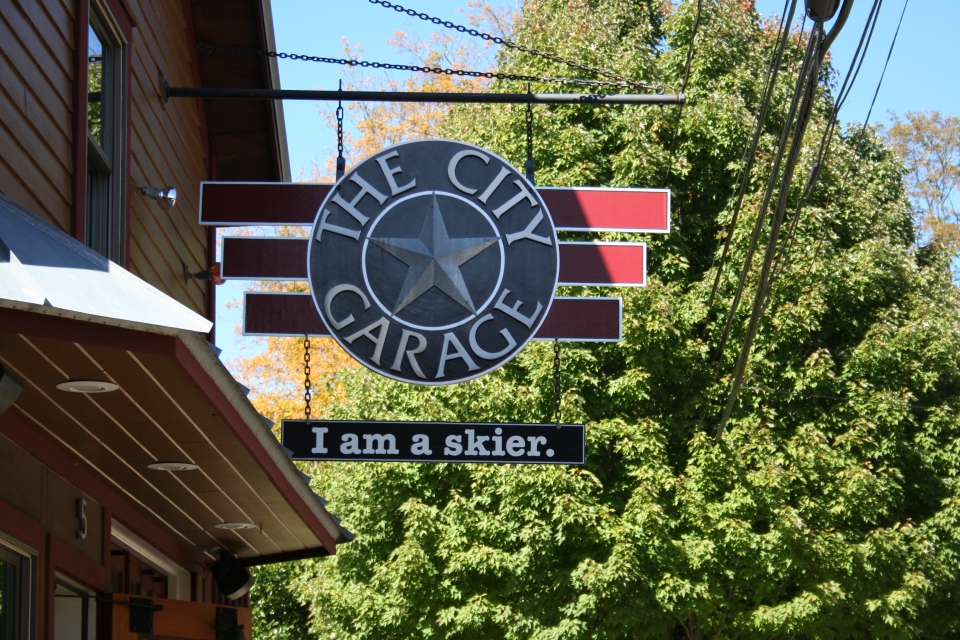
x=40, y=264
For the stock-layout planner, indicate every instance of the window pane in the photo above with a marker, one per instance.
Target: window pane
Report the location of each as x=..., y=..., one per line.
x=9, y=597
x=74, y=616
x=95, y=97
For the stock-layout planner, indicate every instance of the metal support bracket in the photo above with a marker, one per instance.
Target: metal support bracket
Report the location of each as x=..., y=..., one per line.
x=141, y=613
x=425, y=96
x=227, y=627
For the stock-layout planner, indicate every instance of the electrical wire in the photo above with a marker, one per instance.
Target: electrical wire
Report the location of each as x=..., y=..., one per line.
x=883, y=73
x=782, y=260
x=767, y=197
x=800, y=110
x=750, y=152
x=686, y=78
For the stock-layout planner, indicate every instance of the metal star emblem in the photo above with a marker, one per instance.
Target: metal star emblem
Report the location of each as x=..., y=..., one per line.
x=434, y=259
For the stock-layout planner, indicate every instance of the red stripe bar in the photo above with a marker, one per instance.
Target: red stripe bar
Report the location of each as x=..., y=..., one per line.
x=251, y=258
x=226, y=204
x=570, y=319
x=583, y=320
x=237, y=204
x=608, y=209
x=599, y=264
x=603, y=264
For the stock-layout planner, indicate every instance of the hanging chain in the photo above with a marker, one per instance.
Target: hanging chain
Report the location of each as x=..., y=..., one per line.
x=621, y=80
x=307, y=396
x=530, y=164
x=556, y=380
x=209, y=48
x=341, y=161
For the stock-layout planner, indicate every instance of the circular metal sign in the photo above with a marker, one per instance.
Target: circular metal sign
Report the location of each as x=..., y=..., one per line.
x=433, y=262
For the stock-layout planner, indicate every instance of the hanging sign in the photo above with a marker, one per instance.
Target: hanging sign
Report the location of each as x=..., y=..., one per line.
x=433, y=262
x=375, y=441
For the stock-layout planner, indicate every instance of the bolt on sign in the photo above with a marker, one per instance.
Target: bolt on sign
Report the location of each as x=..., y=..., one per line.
x=434, y=262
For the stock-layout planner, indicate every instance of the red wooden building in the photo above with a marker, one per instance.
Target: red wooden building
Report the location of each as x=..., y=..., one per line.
x=136, y=479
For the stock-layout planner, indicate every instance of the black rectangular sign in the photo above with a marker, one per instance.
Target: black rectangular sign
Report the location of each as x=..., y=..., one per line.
x=369, y=441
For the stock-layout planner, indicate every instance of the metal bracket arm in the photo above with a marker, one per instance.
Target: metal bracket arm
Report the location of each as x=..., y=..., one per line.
x=416, y=96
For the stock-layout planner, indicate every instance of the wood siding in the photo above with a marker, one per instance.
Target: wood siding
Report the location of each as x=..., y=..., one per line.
x=36, y=106
x=167, y=148
x=166, y=142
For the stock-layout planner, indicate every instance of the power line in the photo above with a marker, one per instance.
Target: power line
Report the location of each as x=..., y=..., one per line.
x=800, y=111
x=686, y=78
x=510, y=44
x=880, y=81
x=749, y=153
x=823, y=151
x=789, y=123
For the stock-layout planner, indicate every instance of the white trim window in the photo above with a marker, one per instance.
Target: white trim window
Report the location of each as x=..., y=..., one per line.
x=178, y=578
x=105, y=230
x=17, y=594
x=74, y=611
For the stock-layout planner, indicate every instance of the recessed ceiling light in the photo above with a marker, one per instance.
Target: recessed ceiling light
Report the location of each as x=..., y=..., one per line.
x=234, y=526
x=87, y=386
x=172, y=466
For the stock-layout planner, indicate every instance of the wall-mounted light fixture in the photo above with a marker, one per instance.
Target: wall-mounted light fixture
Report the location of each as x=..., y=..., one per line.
x=233, y=580
x=212, y=274
x=167, y=197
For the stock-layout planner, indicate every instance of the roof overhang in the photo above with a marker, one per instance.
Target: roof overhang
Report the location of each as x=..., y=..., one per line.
x=176, y=402
x=247, y=137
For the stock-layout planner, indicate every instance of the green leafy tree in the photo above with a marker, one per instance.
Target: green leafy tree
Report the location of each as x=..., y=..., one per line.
x=829, y=508
x=929, y=144
x=278, y=613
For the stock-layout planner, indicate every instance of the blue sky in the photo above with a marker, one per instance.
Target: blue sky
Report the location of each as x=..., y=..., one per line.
x=922, y=73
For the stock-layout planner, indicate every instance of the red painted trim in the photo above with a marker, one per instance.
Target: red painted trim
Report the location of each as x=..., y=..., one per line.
x=78, y=180
x=57, y=461
x=582, y=319
x=127, y=180
x=572, y=208
x=238, y=426
x=264, y=258
x=603, y=264
x=294, y=314
x=581, y=263
x=72, y=564
x=101, y=335
x=107, y=533
x=20, y=526
x=223, y=203
x=608, y=209
x=287, y=556
x=122, y=14
x=16, y=321
x=288, y=314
